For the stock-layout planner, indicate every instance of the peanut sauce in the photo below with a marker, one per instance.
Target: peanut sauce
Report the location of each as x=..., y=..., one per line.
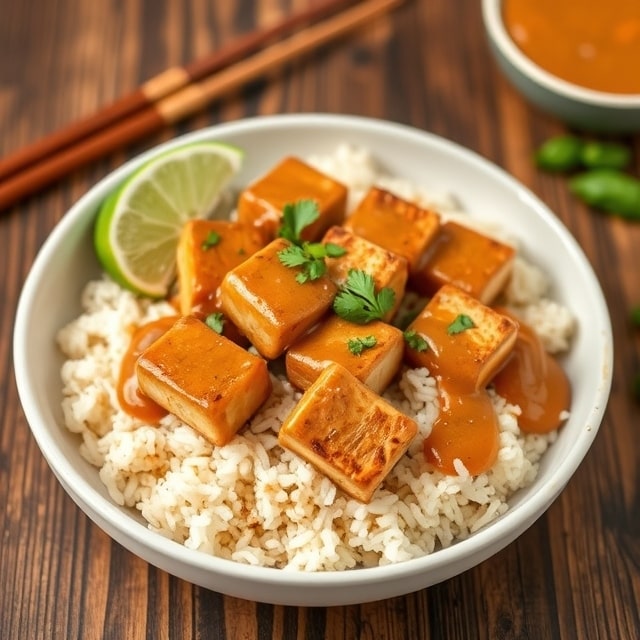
x=534, y=381
x=593, y=44
x=467, y=426
x=466, y=429
x=131, y=398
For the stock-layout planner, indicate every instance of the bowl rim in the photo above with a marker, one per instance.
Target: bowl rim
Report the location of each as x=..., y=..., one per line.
x=492, y=17
x=123, y=528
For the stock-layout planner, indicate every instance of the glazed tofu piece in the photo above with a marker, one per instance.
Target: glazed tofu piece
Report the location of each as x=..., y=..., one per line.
x=468, y=259
x=261, y=204
x=387, y=269
x=263, y=298
x=347, y=432
x=204, y=379
x=207, y=250
x=395, y=224
x=375, y=366
x=467, y=341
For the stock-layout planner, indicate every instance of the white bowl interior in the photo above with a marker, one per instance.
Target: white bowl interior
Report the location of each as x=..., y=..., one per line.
x=51, y=298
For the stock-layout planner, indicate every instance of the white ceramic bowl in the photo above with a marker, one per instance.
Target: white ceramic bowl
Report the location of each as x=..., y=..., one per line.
x=577, y=106
x=51, y=298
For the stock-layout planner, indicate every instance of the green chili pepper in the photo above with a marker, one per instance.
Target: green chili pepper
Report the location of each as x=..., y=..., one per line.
x=609, y=190
x=635, y=316
x=561, y=153
x=601, y=155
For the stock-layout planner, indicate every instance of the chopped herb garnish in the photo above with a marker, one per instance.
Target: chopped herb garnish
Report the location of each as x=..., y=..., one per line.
x=212, y=239
x=358, y=345
x=358, y=301
x=296, y=217
x=415, y=340
x=334, y=250
x=216, y=322
x=460, y=324
x=241, y=251
x=635, y=316
x=310, y=258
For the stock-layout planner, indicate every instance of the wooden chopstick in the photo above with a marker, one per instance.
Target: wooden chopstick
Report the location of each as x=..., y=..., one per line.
x=162, y=85
x=188, y=100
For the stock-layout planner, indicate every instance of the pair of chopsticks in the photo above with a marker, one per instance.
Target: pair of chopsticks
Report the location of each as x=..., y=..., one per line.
x=178, y=93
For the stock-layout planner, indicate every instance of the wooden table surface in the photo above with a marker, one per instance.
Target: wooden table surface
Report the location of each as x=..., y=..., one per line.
x=573, y=574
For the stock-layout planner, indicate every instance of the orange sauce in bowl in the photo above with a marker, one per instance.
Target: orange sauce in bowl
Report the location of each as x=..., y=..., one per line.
x=591, y=43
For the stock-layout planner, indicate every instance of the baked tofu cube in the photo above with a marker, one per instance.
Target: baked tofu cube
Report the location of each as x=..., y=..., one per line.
x=348, y=432
x=261, y=204
x=207, y=250
x=467, y=341
x=395, y=224
x=468, y=259
x=264, y=299
x=330, y=342
x=204, y=379
x=386, y=268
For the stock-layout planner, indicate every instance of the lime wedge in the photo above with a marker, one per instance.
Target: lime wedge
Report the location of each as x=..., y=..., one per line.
x=138, y=226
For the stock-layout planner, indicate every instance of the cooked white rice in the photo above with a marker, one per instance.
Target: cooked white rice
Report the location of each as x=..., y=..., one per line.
x=253, y=502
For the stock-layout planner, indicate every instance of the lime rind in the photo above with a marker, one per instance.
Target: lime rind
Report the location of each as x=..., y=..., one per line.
x=138, y=226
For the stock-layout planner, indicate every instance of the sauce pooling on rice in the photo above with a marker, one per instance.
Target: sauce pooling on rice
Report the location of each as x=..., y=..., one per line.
x=131, y=398
x=534, y=381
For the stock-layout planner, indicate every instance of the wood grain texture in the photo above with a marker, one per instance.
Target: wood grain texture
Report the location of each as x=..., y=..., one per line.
x=574, y=574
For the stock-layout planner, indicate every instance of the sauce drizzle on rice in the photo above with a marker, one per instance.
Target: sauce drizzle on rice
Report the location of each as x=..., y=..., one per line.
x=253, y=502
x=131, y=399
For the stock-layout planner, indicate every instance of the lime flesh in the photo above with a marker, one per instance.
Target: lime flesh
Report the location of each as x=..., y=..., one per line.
x=138, y=226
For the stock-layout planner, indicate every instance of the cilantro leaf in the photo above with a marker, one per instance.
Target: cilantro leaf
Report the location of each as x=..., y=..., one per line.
x=386, y=298
x=461, y=323
x=309, y=258
x=315, y=249
x=212, y=239
x=216, y=322
x=296, y=217
x=415, y=340
x=293, y=256
x=334, y=250
x=316, y=269
x=358, y=345
x=358, y=301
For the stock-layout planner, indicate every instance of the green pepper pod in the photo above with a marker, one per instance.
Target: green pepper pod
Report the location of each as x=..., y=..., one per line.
x=605, y=155
x=561, y=153
x=609, y=190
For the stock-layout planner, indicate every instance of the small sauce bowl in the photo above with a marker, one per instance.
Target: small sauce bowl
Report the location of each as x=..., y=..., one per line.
x=577, y=106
